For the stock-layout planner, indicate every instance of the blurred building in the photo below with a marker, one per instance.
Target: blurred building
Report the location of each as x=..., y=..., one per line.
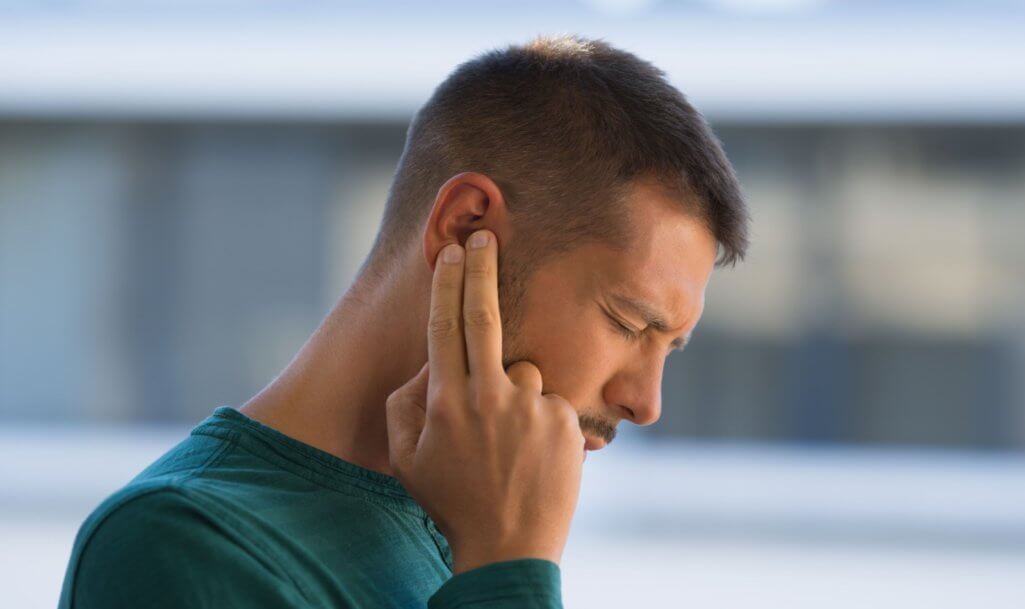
x=154, y=270
x=184, y=193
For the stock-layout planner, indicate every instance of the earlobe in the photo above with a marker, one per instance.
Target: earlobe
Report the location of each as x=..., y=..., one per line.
x=465, y=203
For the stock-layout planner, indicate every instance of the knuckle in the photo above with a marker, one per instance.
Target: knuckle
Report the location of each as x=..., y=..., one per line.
x=567, y=418
x=439, y=395
x=440, y=415
x=479, y=317
x=444, y=400
x=443, y=326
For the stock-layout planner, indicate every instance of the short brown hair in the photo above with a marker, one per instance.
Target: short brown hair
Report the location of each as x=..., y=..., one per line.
x=564, y=125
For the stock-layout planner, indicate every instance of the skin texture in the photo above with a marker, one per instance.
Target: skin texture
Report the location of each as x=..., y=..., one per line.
x=333, y=393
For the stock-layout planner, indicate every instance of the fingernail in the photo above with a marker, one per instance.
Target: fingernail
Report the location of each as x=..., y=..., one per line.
x=452, y=253
x=478, y=239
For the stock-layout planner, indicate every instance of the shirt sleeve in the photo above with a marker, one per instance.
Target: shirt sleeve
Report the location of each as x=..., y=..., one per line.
x=526, y=583
x=162, y=550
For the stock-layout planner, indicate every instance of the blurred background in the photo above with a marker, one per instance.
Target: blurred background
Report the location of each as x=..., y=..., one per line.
x=187, y=187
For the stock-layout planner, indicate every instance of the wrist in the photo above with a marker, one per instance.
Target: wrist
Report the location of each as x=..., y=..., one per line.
x=466, y=559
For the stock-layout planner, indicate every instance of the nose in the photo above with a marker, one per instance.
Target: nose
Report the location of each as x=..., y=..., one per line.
x=637, y=390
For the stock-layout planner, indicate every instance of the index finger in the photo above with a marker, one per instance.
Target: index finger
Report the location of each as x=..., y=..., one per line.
x=445, y=346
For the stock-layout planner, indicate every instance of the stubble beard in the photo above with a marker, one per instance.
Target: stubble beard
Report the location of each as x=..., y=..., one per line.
x=513, y=275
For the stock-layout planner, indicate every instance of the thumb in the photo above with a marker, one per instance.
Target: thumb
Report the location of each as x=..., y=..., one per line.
x=406, y=410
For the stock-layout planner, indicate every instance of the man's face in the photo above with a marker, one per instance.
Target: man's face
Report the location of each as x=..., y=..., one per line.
x=570, y=317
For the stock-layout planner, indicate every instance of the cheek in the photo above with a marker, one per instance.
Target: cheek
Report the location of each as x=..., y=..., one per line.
x=572, y=352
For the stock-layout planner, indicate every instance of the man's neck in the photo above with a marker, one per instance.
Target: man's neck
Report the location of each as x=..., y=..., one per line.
x=332, y=395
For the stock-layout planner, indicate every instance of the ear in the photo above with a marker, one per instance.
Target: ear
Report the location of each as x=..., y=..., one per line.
x=467, y=202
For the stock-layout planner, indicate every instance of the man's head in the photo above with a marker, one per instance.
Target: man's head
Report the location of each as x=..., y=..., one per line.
x=603, y=186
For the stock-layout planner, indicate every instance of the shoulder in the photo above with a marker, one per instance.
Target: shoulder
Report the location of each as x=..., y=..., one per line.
x=153, y=545
x=141, y=510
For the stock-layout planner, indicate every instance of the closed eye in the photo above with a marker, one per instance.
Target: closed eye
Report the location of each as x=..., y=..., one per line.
x=623, y=330
x=631, y=335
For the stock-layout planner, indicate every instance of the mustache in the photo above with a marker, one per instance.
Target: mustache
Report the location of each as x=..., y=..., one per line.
x=598, y=427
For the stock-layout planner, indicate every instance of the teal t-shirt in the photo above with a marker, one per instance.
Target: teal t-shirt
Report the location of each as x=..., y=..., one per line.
x=241, y=515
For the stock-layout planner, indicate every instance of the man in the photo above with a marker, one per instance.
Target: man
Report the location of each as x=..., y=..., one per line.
x=547, y=241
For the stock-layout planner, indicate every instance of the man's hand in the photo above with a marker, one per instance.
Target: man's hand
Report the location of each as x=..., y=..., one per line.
x=495, y=463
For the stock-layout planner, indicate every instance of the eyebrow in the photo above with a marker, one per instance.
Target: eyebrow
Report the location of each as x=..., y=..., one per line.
x=651, y=317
